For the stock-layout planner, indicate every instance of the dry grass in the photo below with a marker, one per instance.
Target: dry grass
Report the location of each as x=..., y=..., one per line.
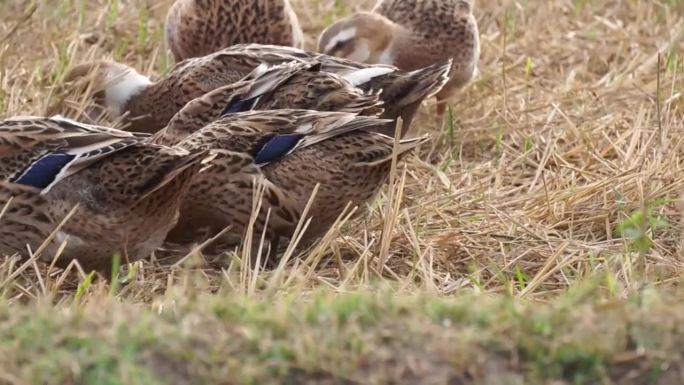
x=573, y=129
x=562, y=161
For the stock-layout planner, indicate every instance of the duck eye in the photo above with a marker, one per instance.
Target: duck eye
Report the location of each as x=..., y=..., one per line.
x=340, y=44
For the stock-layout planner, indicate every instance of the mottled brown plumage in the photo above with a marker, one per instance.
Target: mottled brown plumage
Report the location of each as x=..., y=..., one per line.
x=127, y=190
x=200, y=27
x=334, y=150
x=411, y=34
x=293, y=85
x=151, y=105
x=26, y=222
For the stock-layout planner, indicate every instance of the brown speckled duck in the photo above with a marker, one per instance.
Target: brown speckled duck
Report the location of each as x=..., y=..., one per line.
x=289, y=151
x=292, y=85
x=127, y=189
x=411, y=34
x=201, y=27
x=149, y=106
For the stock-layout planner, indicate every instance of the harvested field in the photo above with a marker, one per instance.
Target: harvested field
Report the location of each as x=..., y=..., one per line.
x=537, y=239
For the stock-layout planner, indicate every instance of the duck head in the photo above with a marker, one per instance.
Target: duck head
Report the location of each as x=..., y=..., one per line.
x=365, y=37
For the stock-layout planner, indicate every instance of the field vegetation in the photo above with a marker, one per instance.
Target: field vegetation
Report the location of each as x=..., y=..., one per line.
x=536, y=240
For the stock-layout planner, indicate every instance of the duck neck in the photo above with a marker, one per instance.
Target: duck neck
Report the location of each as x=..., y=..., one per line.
x=400, y=46
x=408, y=52
x=150, y=109
x=122, y=88
x=132, y=94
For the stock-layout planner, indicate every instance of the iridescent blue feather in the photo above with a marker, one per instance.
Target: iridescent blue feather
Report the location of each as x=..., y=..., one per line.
x=277, y=147
x=42, y=173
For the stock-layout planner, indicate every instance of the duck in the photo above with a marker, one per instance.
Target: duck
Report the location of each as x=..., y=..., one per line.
x=411, y=34
x=196, y=28
x=147, y=106
x=125, y=191
x=291, y=85
x=287, y=153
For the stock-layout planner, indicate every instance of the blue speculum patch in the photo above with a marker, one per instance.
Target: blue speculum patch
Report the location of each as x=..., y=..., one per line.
x=44, y=171
x=238, y=105
x=276, y=147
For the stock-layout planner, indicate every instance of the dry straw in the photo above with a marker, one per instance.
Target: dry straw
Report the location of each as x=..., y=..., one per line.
x=563, y=160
